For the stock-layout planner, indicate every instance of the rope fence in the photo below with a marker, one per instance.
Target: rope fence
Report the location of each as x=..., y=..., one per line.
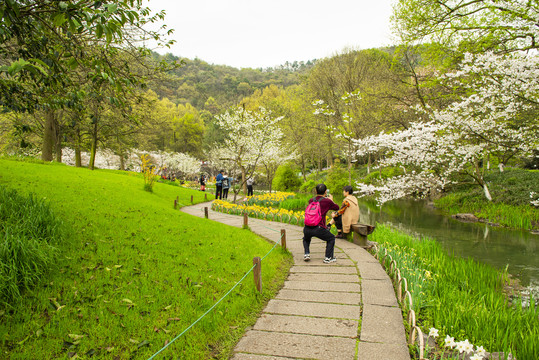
x=224, y=296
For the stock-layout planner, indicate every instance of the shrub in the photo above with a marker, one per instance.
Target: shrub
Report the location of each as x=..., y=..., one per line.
x=337, y=179
x=286, y=179
x=307, y=187
x=30, y=233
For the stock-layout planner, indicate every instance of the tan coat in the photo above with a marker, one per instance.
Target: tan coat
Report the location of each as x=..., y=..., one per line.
x=351, y=214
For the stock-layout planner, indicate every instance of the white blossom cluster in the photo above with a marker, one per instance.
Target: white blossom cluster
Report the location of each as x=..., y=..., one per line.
x=104, y=159
x=536, y=201
x=461, y=346
x=107, y=159
x=252, y=135
x=177, y=162
x=487, y=121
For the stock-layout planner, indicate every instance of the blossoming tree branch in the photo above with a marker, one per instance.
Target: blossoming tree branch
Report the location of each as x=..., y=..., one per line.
x=494, y=116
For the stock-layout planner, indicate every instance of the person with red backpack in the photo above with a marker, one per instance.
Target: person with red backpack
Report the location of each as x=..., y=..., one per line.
x=315, y=223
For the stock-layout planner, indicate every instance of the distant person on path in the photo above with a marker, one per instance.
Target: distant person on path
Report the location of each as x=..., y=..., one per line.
x=202, y=182
x=226, y=186
x=250, y=183
x=347, y=215
x=219, y=185
x=315, y=223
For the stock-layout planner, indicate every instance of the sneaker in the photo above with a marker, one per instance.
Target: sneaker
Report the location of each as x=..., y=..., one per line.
x=306, y=257
x=330, y=260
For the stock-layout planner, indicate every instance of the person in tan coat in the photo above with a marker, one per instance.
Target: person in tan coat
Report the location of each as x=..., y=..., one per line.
x=347, y=215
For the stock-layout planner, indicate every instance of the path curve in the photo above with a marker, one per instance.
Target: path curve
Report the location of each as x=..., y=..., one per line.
x=344, y=310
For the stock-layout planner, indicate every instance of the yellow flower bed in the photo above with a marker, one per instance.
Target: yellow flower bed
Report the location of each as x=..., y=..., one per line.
x=261, y=212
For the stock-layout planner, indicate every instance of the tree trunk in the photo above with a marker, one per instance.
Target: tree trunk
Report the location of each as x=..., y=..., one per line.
x=487, y=193
x=78, y=161
x=122, y=162
x=369, y=163
x=78, y=147
x=48, y=136
x=380, y=165
x=94, y=146
x=349, y=163
x=58, y=143
x=243, y=181
x=303, y=168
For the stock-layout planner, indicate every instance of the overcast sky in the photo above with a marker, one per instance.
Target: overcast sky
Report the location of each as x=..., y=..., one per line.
x=262, y=33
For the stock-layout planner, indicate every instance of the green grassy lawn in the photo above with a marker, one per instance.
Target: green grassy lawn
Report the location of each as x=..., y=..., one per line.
x=134, y=272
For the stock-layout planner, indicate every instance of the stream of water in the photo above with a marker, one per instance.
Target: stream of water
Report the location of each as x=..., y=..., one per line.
x=519, y=250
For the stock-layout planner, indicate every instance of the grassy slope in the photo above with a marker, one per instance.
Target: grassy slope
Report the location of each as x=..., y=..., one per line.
x=510, y=205
x=135, y=273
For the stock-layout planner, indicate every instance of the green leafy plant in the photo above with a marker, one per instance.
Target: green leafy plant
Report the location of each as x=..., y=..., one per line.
x=286, y=179
x=149, y=171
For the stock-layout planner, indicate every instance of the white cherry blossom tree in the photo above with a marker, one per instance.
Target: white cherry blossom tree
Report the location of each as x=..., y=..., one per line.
x=496, y=115
x=250, y=137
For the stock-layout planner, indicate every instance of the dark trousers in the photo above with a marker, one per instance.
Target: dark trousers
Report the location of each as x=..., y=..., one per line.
x=249, y=190
x=225, y=193
x=218, y=191
x=323, y=234
x=338, y=222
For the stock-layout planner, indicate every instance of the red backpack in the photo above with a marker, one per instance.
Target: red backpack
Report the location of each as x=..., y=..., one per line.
x=313, y=215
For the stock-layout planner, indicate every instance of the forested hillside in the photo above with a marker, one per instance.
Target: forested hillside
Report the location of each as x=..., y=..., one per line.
x=217, y=87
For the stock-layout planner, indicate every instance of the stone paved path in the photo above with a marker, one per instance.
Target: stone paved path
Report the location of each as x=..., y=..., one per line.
x=344, y=310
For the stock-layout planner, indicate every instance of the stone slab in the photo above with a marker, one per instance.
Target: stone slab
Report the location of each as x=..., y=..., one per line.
x=307, y=267
x=372, y=271
x=296, y=345
x=244, y=356
x=378, y=292
x=360, y=255
x=307, y=325
x=376, y=351
x=288, y=307
x=322, y=286
x=318, y=259
x=382, y=324
x=320, y=296
x=352, y=278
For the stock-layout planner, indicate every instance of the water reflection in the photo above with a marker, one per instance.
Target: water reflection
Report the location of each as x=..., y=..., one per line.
x=496, y=246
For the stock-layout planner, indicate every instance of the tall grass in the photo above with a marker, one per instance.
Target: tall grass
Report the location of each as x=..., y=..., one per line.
x=297, y=203
x=29, y=236
x=461, y=297
x=515, y=216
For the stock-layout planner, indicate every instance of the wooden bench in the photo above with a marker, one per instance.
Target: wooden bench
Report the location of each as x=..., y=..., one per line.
x=360, y=233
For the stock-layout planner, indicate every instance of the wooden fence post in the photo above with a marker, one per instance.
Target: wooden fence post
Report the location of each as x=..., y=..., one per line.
x=191, y=199
x=283, y=238
x=206, y=212
x=175, y=204
x=245, y=220
x=257, y=272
